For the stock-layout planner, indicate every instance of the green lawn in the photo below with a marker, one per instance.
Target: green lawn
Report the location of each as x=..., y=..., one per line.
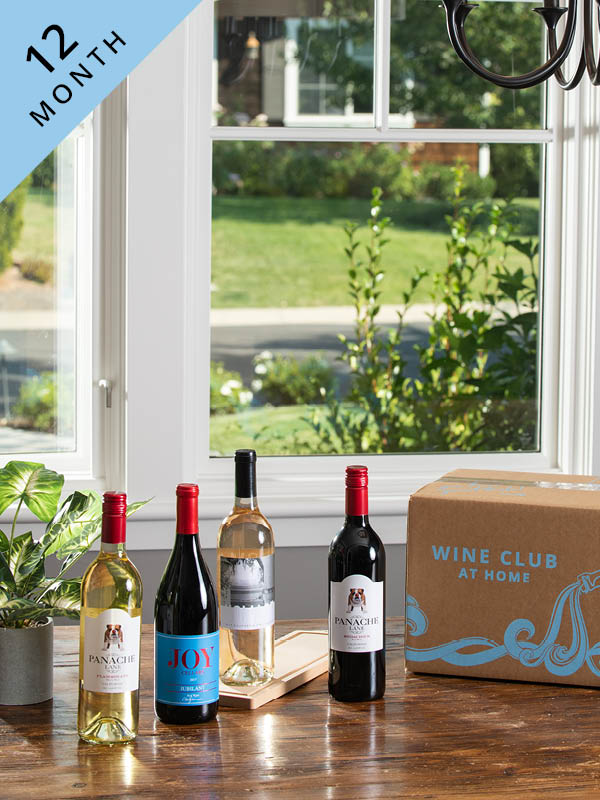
x=290, y=251
x=270, y=430
x=37, y=238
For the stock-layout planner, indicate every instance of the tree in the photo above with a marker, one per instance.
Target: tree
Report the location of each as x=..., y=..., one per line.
x=427, y=77
x=11, y=222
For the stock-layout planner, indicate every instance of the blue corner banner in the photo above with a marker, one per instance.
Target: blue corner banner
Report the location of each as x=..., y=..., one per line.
x=59, y=60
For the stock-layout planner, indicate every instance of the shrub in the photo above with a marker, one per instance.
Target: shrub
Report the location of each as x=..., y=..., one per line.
x=300, y=169
x=248, y=168
x=11, y=222
x=227, y=391
x=285, y=381
x=279, y=169
x=437, y=182
x=476, y=383
x=36, y=407
x=354, y=170
x=516, y=170
x=42, y=176
x=37, y=269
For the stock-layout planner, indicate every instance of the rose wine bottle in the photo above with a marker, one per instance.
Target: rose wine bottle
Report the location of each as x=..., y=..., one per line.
x=356, y=600
x=245, y=584
x=186, y=622
x=110, y=625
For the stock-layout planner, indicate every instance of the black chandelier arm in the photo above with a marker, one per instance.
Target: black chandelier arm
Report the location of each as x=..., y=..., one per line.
x=593, y=67
x=456, y=14
x=566, y=84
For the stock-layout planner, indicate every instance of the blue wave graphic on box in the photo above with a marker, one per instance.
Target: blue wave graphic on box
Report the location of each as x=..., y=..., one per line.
x=559, y=659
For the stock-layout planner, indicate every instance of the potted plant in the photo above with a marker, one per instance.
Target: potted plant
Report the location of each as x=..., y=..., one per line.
x=29, y=599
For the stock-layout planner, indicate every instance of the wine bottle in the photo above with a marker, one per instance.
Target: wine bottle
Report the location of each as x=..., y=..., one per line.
x=245, y=584
x=186, y=623
x=356, y=600
x=110, y=626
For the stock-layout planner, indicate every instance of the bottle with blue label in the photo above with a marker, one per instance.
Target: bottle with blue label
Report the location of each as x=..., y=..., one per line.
x=186, y=621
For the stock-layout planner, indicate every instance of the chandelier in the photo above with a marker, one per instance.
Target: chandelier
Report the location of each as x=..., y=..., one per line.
x=458, y=10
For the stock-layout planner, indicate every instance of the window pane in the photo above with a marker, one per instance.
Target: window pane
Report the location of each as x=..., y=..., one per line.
x=296, y=62
x=431, y=88
x=38, y=306
x=308, y=355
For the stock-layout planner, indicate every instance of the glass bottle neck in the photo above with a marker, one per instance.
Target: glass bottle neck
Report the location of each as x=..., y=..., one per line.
x=245, y=502
x=188, y=542
x=356, y=521
x=113, y=548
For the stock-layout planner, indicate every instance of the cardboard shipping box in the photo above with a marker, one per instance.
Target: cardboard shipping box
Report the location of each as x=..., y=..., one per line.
x=503, y=577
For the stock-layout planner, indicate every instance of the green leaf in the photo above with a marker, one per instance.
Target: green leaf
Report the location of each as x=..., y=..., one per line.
x=70, y=560
x=63, y=598
x=4, y=543
x=7, y=580
x=39, y=488
x=19, y=608
x=133, y=507
x=527, y=248
x=75, y=526
x=26, y=562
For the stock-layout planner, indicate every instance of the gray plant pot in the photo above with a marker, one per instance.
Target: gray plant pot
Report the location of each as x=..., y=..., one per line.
x=26, y=664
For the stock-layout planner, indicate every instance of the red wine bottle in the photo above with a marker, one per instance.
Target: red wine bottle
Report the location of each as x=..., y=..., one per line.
x=356, y=600
x=186, y=620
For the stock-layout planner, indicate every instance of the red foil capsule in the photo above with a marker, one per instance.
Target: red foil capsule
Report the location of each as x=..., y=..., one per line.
x=187, y=508
x=114, y=517
x=357, y=491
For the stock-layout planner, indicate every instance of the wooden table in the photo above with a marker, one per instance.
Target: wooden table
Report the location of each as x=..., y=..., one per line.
x=429, y=737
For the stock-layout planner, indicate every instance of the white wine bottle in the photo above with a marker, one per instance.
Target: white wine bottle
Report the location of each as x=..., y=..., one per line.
x=245, y=584
x=109, y=643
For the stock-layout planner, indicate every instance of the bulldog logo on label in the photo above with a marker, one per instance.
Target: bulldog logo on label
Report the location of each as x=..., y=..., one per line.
x=356, y=600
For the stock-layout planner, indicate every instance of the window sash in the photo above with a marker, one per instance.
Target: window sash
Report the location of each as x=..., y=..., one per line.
x=94, y=237
x=381, y=130
x=316, y=478
x=176, y=410
x=74, y=246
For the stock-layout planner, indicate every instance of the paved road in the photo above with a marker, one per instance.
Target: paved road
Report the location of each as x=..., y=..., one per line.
x=236, y=346
x=29, y=352
x=37, y=347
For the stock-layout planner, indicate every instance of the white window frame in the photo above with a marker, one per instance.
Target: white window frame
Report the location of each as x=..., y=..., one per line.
x=171, y=130
x=73, y=236
x=97, y=235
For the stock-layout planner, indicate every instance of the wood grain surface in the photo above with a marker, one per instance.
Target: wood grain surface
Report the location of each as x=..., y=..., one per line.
x=430, y=737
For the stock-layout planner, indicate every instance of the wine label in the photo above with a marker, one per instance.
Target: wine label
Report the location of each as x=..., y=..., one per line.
x=186, y=669
x=356, y=615
x=111, y=652
x=247, y=593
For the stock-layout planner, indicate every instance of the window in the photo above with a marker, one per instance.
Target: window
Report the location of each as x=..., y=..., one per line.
x=547, y=150
x=334, y=331
x=220, y=271
x=299, y=63
x=62, y=306
x=46, y=297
